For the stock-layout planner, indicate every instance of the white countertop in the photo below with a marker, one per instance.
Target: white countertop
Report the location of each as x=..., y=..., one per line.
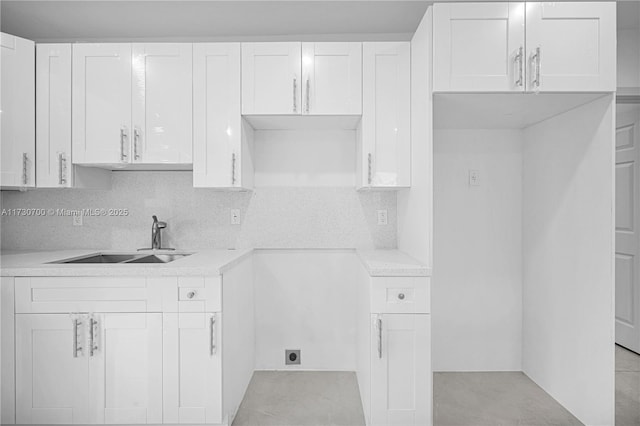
x=379, y=263
x=34, y=263
x=392, y=263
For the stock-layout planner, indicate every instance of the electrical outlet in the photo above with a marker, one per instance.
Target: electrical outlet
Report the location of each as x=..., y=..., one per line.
x=235, y=216
x=292, y=356
x=382, y=217
x=474, y=178
x=77, y=220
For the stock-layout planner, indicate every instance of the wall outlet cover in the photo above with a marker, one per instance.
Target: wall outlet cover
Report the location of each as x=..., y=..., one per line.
x=292, y=357
x=474, y=177
x=77, y=220
x=383, y=218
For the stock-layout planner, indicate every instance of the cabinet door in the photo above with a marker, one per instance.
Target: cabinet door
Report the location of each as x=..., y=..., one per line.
x=125, y=368
x=571, y=46
x=101, y=106
x=478, y=47
x=52, y=375
x=17, y=103
x=53, y=113
x=332, y=78
x=400, y=370
x=218, y=159
x=192, y=368
x=162, y=101
x=271, y=82
x=385, y=147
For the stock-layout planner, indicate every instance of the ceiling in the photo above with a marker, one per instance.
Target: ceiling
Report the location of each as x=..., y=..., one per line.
x=220, y=20
x=211, y=20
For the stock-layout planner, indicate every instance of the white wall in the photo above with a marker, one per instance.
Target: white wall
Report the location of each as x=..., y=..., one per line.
x=568, y=323
x=415, y=204
x=477, y=278
x=305, y=158
x=629, y=58
x=305, y=300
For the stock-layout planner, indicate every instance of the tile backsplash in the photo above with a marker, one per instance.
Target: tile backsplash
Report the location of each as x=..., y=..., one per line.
x=271, y=217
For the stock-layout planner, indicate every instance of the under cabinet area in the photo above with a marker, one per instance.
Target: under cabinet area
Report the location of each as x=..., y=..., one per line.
x=524, y=46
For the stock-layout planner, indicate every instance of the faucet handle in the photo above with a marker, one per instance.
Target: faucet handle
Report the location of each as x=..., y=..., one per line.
x=162, y=225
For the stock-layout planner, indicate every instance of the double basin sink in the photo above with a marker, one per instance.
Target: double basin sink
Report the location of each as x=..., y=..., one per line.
x=121, y=258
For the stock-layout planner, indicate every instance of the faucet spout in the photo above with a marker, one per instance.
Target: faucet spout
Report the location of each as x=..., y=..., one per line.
x=156, y=236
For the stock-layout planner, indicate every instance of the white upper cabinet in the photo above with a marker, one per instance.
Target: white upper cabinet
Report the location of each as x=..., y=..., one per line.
x=53, y=124
x=384, y=146
x=301, y=78
x=17, y=102
x=518, y=46
x=132, y=104
x=332, y=78
x=478, y=47
x=101, y=103
x=221, y=153
x=571, y=46
x=271, y=78
x=162, y=94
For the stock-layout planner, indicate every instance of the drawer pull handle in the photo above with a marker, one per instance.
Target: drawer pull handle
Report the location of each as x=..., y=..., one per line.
x=213, y=343
x=76, y=347
x=401, y=296
x=191, y=294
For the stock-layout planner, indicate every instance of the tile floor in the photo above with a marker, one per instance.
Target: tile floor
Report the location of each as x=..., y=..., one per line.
x=301, y=398
x=494, y=399
x=627, y=387
x=460, y=399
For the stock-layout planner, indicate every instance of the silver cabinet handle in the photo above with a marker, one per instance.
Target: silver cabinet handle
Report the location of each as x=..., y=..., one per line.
x=62, y=169
x=369, y=167
x=535, y=59
x=213, y=345
x=191, y=295
x=76, y=329
x=295, y=90
x=520, y=59
x=93, y=340
x=233, y=169
x=123, y=136
x=25, y=175
x=136, y=138
x=379, y=327
x=308, y=95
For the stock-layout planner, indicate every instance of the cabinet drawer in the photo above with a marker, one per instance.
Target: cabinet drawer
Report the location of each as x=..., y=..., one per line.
x=88, y=294
x=199, y=294
x=401, y=295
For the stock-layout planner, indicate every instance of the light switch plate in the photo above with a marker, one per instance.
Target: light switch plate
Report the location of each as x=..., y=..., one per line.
x=382, y=217
x=235, y=216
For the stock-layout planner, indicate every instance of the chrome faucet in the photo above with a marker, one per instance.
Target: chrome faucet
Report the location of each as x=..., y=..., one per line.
x=156, y=238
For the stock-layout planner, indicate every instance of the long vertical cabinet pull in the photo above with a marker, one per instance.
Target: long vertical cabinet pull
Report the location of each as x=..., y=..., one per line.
x=76, y=338
x=136, y=139
x=233, y=169
x=93, y=336
x=123, y=136
x=379, y=330
x=308, y=100
x=520, y=60
x=369, y=167
x=295, y=92
x=213, y=337
x=535, y=61
x=25, y=175
x=62, y=169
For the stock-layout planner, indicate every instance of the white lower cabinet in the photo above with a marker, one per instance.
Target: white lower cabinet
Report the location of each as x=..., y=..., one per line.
x=125, y=368
x=52, y=370
x=400, y=369
x=192, y=368
x=394, y=350
x=99, y=368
